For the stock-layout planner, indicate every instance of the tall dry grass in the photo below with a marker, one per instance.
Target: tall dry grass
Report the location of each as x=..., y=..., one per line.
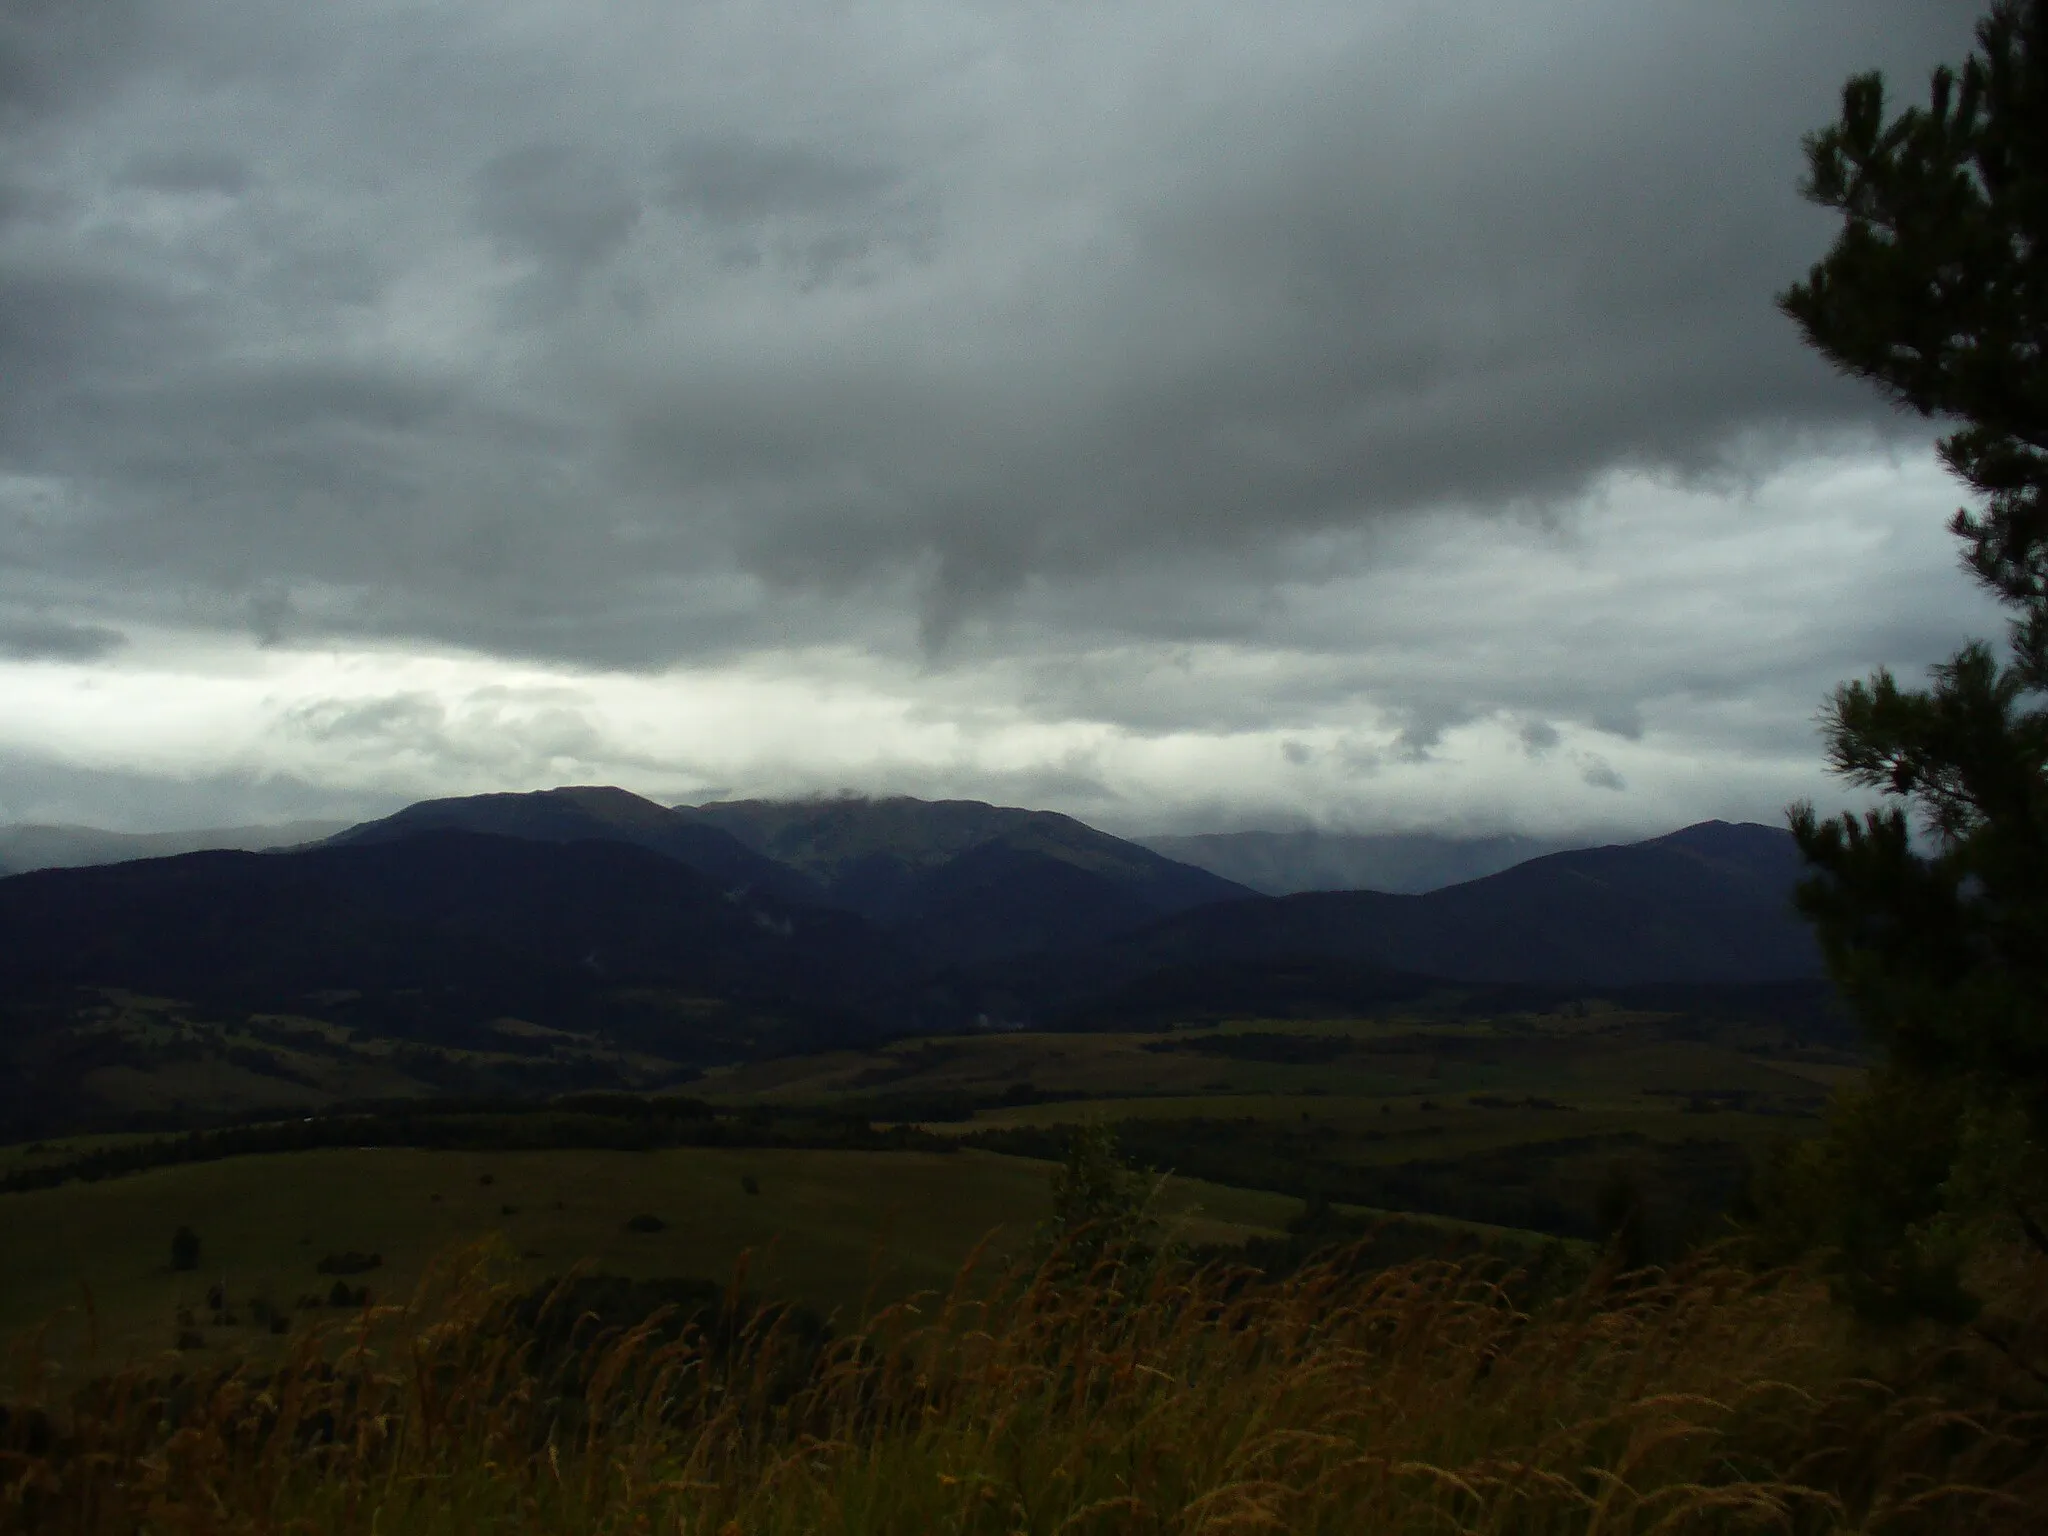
x=1415, y=1400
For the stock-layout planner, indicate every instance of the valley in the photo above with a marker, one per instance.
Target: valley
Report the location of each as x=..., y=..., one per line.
x=853, y=1039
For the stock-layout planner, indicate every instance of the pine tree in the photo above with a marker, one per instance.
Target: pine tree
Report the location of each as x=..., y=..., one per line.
x=1936, y=291
x=1102, y=1206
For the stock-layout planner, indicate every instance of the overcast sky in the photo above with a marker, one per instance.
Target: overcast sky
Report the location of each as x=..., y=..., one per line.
x=1189, y=415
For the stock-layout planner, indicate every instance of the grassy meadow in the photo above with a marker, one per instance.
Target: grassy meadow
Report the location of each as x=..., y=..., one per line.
x=1411, y=1398
x=1479, y=1124
x=1133, y=1396
x=821, y=1228
x=1519, y=1121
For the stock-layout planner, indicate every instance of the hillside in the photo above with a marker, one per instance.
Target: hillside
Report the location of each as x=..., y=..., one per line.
x=1709, y=904
x=447, y=939
x=964, y=881
x=593, y=813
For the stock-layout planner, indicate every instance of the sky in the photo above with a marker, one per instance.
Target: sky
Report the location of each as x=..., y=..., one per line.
x=1190, y=416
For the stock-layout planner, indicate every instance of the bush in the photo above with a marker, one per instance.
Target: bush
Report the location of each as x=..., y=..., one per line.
x=184, y=1249
x=645, y=1223
x=348, y=1262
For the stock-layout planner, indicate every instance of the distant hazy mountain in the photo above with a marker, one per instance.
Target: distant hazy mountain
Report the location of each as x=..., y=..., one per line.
x=29, y=846
x=1709, y=904
x=965, y=880
x=1283, y=863
x=594, y=813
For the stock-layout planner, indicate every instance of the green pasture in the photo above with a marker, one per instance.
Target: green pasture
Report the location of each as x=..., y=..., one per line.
x=1531, y=1120
x=1388, y=1130
x=824, y=1228
x=1618, y=1067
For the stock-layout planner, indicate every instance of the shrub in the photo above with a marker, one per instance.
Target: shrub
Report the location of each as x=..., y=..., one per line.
x=184, y=1249
x=348, y=1262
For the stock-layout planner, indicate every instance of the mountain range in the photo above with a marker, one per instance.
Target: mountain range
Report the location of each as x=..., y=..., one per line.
x=953, y=880
x=966, y=881
x=1708, y=905
x=429, y=934
x=814, y=921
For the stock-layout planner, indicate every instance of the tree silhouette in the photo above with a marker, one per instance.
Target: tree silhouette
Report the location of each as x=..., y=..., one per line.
x=1936, y=291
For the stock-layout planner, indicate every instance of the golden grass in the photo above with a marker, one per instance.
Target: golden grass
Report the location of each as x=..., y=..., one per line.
x=1410, y=1401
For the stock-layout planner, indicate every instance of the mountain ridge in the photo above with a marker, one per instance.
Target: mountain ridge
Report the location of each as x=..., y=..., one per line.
x=1707, y=903
x=1404, y=863
x=592, y=813
x=976, y=880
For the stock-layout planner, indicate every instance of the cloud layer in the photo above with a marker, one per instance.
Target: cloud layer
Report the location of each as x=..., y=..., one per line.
x=1006, y=347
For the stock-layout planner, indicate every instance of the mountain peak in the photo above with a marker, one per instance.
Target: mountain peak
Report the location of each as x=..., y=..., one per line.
x=592, y=812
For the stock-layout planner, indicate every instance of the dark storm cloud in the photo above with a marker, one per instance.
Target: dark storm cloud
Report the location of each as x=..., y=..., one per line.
x=744, y=181
x=684, y=332
x=558, y=203
x=187, y=170
x=70, y=342
x=29, y=639
x=53, y=53
x=1601, y=775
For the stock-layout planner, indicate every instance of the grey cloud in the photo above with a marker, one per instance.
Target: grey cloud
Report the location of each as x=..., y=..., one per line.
x=1600, y=774
x=53, y=791
x=562, y=204
x=488, y=727
x=66, y=334
x=270, y=615
x=1407, y=263
x=743, y=181
x=1623, y=720
x=35, y=639
x=56, y=53
x=403, y=719
x=16, y=202
x=188, y=170
x=819, y=217
x=1538, y=737
x=1423, y=725
x=1361, y=759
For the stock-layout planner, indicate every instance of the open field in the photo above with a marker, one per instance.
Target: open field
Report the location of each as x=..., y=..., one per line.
x=1525, y=1120
x=823, y=1225
x=1604, y=1060
x=106, y=1056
